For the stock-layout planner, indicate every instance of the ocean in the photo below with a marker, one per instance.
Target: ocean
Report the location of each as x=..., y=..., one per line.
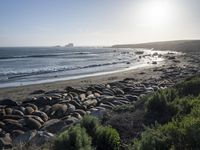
x=32, y=65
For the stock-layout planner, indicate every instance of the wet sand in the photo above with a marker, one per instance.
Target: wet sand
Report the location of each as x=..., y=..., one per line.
x=21, y=92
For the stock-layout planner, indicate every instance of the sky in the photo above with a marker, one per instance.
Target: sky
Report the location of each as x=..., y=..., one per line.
x=97, y=22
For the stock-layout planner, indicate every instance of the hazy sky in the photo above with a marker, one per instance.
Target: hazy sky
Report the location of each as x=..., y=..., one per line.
x=97, y=22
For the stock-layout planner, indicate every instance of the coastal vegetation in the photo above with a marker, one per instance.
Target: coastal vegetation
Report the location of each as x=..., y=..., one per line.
x=171, y=119
x=88, y=135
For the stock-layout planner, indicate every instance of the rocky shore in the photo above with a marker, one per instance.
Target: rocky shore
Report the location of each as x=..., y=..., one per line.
x=44, y=113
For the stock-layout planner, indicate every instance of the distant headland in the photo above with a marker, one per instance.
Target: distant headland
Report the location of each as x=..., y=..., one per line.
x=179, y=45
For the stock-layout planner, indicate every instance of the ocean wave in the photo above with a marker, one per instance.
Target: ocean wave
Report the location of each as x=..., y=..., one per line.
x=13, y=75
x=46, y=55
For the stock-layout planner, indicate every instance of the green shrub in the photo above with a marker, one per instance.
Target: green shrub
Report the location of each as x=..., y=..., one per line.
x=90, y=123
x=185, y=105
x=182, y=107
x=150, y=140
x=124, y=108
x=189, y=87
x=107, y=138
x=183, y=133
x=75, y=138
x=171, y=94
x=159, y=107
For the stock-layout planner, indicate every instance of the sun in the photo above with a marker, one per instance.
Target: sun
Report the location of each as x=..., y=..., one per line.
x=155, y=12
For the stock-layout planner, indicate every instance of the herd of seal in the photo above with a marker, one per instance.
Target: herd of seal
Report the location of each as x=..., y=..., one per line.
x=45, y=113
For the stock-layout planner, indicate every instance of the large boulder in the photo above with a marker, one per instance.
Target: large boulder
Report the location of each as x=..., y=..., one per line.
x=41, y=114
x=54, y=125
x=8, y=102
x=24, y=138
x=11, y=125
x=41, y=138
x=58, y=110
x=32, y=123
x=5, y=142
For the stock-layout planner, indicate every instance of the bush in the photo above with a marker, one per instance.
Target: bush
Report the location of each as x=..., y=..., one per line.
x=75, y=138
x=159, y=107
x=181, y=133
x=150, y=140
x=90, y=124
x=182, y=107
x=107, y=138
x=124, y=108
x=189, y=87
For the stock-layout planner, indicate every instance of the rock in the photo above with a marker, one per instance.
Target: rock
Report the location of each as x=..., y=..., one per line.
x=97, y=94
x=108, y=103
x=37, y=118
x=28, y=110
x=11, y=125
x=116, y=103
x=71, y=120
x=8, y=102
x=71, y=108
x=108, y=86
x=107, y=92
x=17, y=112
x=82, y=97
x=89, y=93
x=2, y=112
x=74, y=94
x=2, y=133
x=132, y=98
x=106, y=98
x=69, y=97
x=41, y=138
x=14, y=117
x=5, y=142
x=106, y=106
x=76, y=115
x=118, y=91
x=58, y=110
x=8, y=111
x=32, y=106
x=81, y=112
x=54, y=125
x=2, y=124
x=171, y=57
x=90, y=102
x=41, y=114
x=71, y=89
x=16, y=133
x=37, y=92
x=43, y=101
x=99, y=113
x=24, y=138
x=76, y=104
x=32, y=123
x=46, y=109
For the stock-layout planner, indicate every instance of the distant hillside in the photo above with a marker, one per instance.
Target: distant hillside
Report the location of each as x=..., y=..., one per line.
x=182, y=45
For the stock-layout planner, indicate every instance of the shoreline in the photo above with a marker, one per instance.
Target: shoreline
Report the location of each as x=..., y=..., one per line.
x=125, y=60
x=20, y=93
x=77, y=77
x=49, y=109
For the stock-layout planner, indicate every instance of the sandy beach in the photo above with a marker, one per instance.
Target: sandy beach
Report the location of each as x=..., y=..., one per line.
x=144, y=73
x=48, y=109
